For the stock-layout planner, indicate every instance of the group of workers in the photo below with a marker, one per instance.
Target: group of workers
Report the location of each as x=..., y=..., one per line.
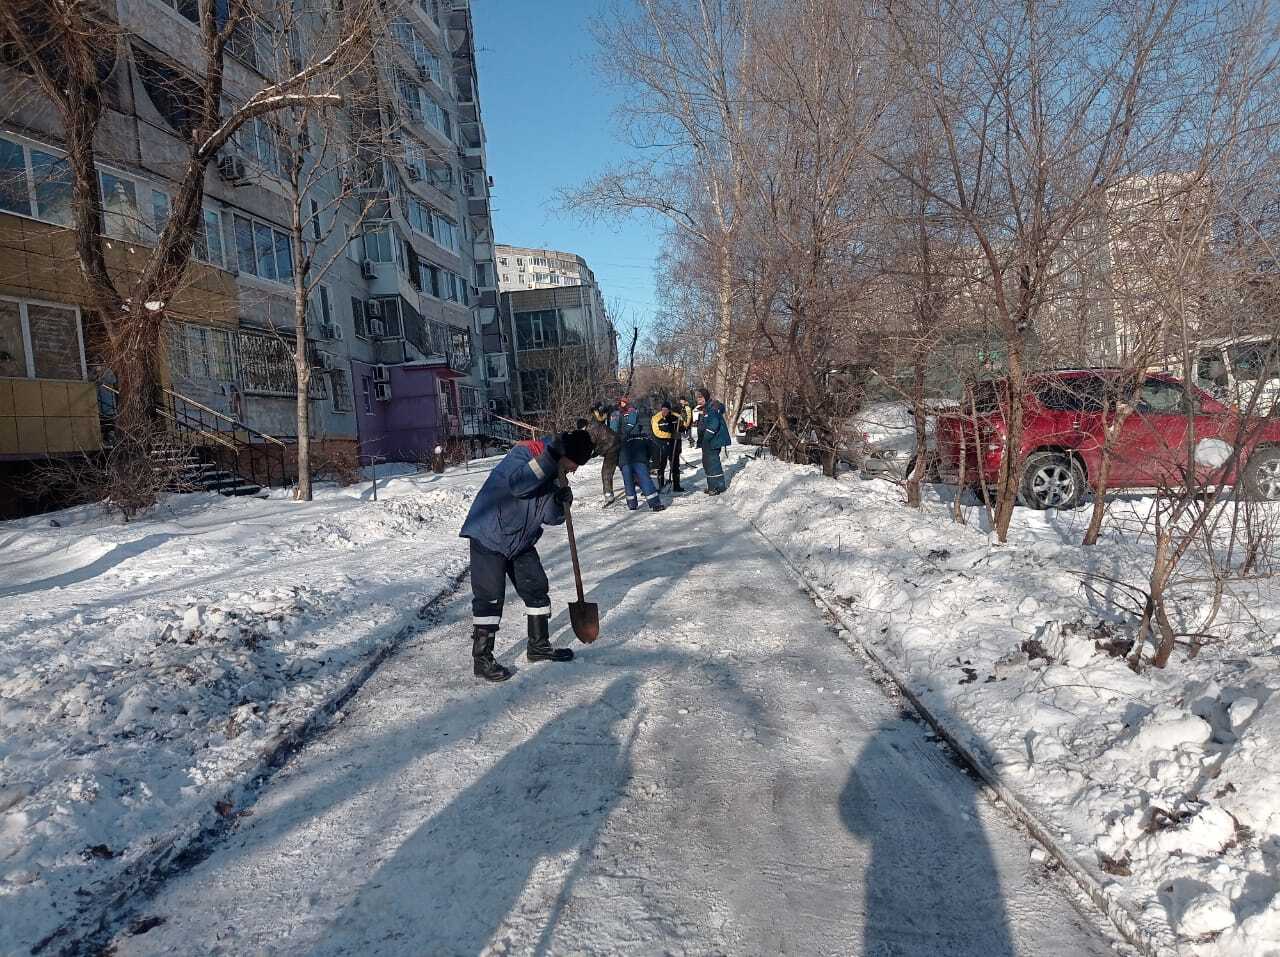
x=646, y=445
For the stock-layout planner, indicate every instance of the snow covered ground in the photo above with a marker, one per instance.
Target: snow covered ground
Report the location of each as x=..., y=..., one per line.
x=145, y=669
x=717, y=774
x=1166, y=784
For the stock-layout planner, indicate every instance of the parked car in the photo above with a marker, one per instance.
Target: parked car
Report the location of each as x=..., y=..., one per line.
x=753, y=422
x=1063, y=437
x=1239, y=372
x=882, y=441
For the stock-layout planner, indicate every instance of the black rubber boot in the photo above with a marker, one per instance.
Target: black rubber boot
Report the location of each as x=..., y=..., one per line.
x=482, y=656
x=540, y=642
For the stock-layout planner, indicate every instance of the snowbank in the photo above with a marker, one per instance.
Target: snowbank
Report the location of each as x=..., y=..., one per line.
x=1165, y=785
x=144, y=668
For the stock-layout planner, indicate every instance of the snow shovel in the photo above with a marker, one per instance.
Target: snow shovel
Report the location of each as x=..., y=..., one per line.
x=583, y=615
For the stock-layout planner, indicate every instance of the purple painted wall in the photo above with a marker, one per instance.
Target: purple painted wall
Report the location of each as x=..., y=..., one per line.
x=407, y=427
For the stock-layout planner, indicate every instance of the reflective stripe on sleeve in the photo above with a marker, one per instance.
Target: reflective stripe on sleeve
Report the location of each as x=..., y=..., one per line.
x=537, y=468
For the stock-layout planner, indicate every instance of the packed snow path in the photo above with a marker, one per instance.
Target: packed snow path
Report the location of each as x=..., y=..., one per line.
x=718, y=774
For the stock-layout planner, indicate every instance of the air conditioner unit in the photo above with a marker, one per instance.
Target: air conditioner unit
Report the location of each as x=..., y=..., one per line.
x=381, y=374
x=377, y=328
x=232, y=169
x=382, y=391
x=368, y=269
x=325, y=361
x=329, y=330
x=414, y=174
x=373, y=309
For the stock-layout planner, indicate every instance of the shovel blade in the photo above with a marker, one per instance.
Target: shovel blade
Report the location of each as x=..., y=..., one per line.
x=584, y=616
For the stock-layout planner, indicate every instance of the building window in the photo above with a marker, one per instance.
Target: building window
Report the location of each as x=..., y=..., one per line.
x=40, y=340
x=266, y=366
x=409, y=40
x=446, y=232
x=208, y=245
x=257, y=140
x=536, y=330
x=120, y=215
x=315, y=220
x=377, y=245
x=506, y=277
x=52, y=178
x=502, y=260
x=366, y=394
x=262, y=250
x=460, y=345
x=495, y=366
x=320, y=314
x=358, y=318
x=341, y=390
x=200, y=352
x=535, y=389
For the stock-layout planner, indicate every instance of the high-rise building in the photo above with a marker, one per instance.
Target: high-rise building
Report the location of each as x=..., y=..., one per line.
x=554, y=346
x=393, y=322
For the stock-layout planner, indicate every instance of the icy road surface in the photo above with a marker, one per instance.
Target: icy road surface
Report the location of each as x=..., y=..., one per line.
x=718, y=774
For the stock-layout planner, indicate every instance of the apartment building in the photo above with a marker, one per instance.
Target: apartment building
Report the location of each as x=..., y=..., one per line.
x=1131, y=272
x=418, y=376
x=554, y=338
x=391, y=325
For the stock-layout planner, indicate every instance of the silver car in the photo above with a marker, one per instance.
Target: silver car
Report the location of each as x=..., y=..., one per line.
x=884, y=435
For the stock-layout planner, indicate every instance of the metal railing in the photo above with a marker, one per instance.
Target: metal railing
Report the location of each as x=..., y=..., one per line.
x=228, y=443
x=234, y=446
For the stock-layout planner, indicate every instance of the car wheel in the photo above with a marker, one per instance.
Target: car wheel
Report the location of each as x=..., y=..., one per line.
x=1262, y=475
x=1051, y=480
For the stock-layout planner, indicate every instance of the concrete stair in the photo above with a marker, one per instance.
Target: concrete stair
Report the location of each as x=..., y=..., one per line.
x=187, y=473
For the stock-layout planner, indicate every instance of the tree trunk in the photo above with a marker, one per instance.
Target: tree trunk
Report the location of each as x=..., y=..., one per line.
x=302, y=491
x=1011, y=461
x=132, y=479
x=916, y=475
x=724, y=324
x=1099, y=498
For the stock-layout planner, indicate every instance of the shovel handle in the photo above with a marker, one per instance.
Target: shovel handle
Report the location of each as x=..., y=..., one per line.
x=573, y=544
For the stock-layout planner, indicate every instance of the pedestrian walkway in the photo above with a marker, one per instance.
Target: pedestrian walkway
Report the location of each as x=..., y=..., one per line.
x=717, y=774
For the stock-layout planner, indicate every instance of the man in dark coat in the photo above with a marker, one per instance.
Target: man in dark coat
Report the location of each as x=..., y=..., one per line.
x=607, y=445
x=713, y=435
x=666, y=430
x=526, y=491
x=630, y=424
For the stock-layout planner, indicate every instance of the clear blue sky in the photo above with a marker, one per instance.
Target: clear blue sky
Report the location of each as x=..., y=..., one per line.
x=548, y=119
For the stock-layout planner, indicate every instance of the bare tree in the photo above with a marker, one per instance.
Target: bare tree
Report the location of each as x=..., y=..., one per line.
x=1032, y=137
x=682, y=62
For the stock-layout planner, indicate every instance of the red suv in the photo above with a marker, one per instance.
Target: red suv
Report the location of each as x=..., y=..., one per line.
x=1063, y=436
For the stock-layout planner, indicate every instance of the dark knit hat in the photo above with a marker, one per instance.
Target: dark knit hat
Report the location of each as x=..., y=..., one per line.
x=577, y=445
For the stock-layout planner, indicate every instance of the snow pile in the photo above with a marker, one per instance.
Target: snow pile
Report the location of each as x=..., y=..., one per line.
x=143, y=667
x=1166, y=784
